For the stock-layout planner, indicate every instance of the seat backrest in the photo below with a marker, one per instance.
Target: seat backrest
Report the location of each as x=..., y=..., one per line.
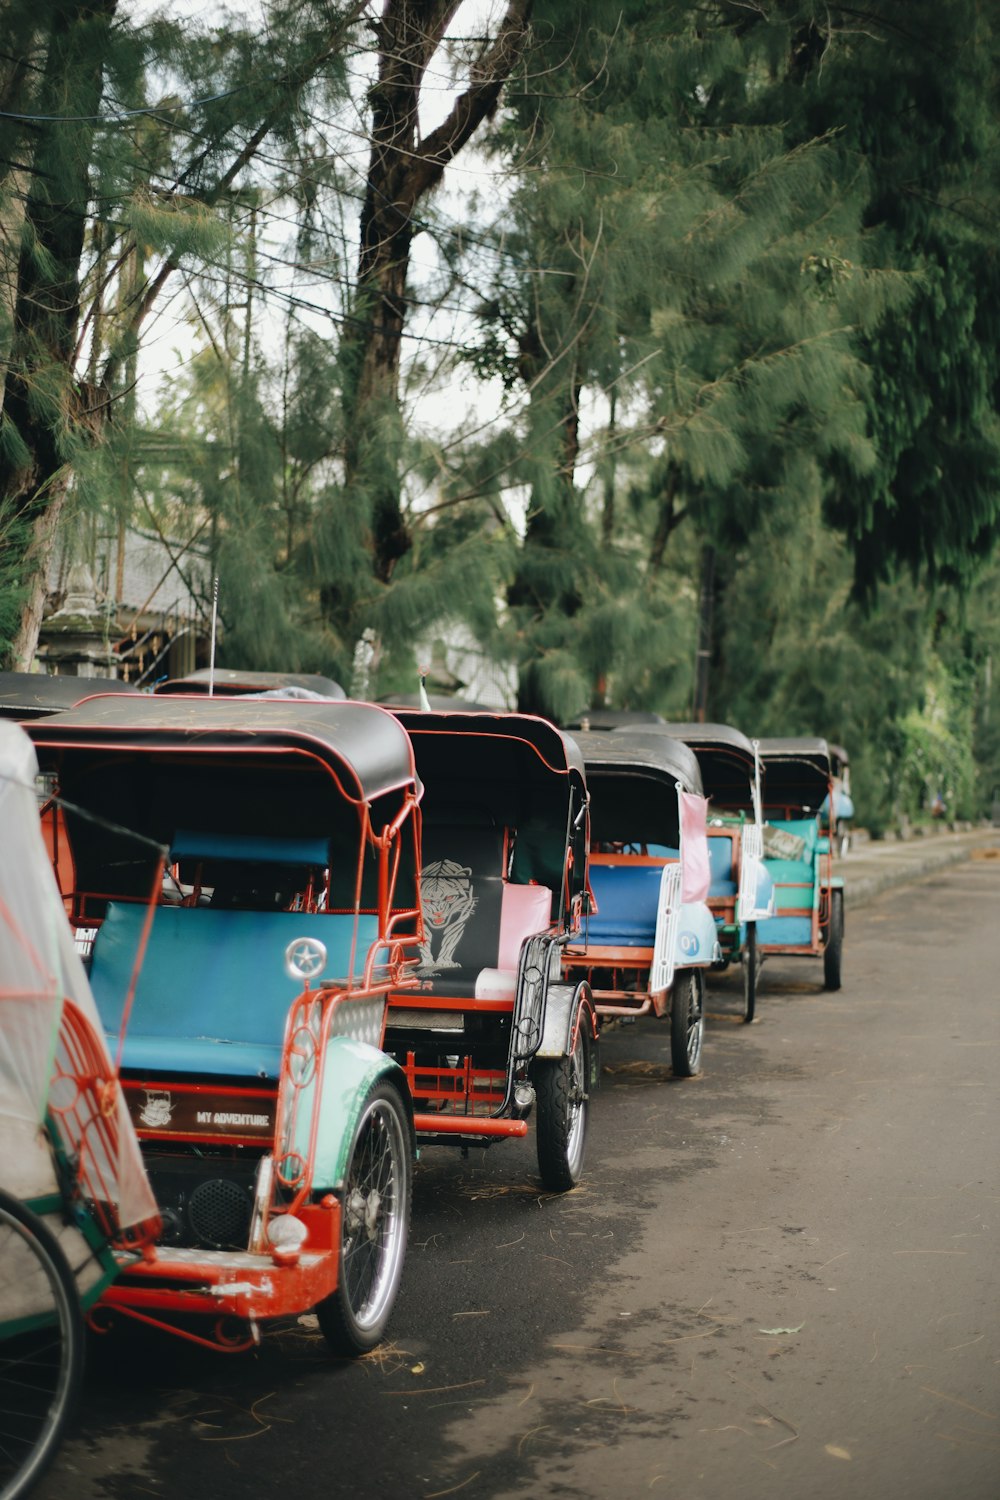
x=210, y=977
x=461, y=896
x=627, y=895
x=720, y=860
x=798, y=867
x=526, y=910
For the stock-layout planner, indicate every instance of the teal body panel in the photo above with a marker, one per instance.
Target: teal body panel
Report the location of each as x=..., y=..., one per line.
x=350, y=1071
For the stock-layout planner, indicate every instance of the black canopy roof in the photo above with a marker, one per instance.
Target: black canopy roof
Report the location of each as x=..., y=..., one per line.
x=499, y=739
x=511, y=771
x=643, y=751
x=725, y=757
x=796, y=772
x=30, y=695
x=232, y=681
x=632, y=777
x=364, y=744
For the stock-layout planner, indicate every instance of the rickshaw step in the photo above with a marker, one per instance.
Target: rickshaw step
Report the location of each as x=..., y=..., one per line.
x=468, y=1125
x=203, y=1265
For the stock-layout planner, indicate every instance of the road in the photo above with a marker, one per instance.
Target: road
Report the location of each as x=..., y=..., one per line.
x=779, y=1278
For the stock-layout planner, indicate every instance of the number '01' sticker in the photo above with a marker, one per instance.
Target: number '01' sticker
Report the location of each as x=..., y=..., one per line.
x=689, y=944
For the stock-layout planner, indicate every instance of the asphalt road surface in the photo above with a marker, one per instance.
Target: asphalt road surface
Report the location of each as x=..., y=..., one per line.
x=778, y=1279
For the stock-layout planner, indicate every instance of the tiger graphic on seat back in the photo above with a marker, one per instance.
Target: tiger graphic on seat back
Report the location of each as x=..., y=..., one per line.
x=447, y=903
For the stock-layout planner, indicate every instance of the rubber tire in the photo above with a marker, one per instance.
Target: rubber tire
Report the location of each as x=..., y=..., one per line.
x=834, y=950
x=353, y=1319
x=687, y=1022
x=751, y=963
x=36, y=1410
x=562, y=1106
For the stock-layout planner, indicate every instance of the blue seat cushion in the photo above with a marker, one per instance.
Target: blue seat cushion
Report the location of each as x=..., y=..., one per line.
x=792, y=932
x=720, y=861
x=627, y=901
x=212, y=994
x=801, y=871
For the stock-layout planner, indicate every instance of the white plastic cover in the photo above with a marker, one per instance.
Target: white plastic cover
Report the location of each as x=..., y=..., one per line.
x=661, y=974
x=39, y=971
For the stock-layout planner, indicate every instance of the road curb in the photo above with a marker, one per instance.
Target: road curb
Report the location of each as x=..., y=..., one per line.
x=863, y=887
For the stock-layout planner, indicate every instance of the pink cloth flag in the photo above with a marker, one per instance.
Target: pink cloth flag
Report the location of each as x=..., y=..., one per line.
x=695, y=870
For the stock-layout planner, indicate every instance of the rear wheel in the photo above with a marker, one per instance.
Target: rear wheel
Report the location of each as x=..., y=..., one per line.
x=41, y=1346
x=687, y=1022
x=751, y=962
x=833, y=952
x=375, y=1222
x=561, y=1121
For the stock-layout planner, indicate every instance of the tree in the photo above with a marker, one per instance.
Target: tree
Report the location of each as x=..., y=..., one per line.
x=405, y=165
x=158, y=176
x=690, y=273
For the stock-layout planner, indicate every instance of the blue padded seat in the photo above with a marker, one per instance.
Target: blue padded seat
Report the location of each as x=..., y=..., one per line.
x=627, y=903
x=212, y=994
x=793, y=932
x=720, y=860
x=795, y=871
x=794, y=887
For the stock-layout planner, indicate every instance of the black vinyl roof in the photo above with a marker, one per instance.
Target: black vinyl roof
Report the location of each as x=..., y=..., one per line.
x=644, y=750
x=796, y=772
x=555, y=751
x=725, y=756
x=723, y=736
x=231, y=681
x=30, y=695
x=361, y=739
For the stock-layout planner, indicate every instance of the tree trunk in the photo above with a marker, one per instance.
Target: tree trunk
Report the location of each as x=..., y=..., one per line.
x=41, y=409
x=403, y=168
x=36, y=560
x=706, y=613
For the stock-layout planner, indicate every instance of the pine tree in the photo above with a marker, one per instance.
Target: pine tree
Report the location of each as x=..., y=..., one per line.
x=90, y=145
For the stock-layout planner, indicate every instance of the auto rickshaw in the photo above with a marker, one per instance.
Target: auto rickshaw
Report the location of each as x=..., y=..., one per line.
x=741, y=889
x=32, y=695
x=808, y=918
x=838, y=809
x=71, y=1177
x=650, y=936
x=235, y=898
x=492, y=1032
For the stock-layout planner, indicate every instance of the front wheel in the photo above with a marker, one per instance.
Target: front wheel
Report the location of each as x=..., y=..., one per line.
x=41, y=1346
x=687, y=1022
x=561, y=1121
x=375, y=1223
x=751, y=961
x=833, y=952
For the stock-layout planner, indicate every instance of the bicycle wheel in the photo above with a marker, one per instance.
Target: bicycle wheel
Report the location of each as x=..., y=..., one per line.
x=41, y=1346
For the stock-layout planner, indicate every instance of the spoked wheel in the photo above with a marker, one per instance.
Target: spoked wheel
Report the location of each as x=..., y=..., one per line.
x=41, y=1346
x=751, y=962
x=833, y=952
x=561, y=1125
x=375, y=1222
x=687, y=1022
